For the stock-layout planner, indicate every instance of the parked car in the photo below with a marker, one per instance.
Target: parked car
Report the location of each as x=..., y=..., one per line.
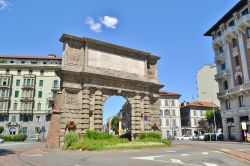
x=198, y=137
x=185, y=137
x=212, y=137
x=1, y=140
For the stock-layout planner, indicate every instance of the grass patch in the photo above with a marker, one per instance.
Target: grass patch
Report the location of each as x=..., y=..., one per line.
x=94, y=140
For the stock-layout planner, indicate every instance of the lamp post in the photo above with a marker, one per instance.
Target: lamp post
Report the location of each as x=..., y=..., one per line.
x=215, y=127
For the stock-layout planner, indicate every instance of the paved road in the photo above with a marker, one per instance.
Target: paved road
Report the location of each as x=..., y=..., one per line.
x=180, y=154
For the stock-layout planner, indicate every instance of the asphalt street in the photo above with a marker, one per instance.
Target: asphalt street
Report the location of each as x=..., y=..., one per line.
x=183, y=153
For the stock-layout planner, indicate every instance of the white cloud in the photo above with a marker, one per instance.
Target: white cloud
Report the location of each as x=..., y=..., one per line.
x=109, y=22
x=94, y=26
x=4, y=4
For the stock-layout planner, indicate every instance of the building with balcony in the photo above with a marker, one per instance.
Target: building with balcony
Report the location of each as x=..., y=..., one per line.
x=192, y=113
x=28, y=86
x=170, y=114
x=207, y=85
x=231, y=37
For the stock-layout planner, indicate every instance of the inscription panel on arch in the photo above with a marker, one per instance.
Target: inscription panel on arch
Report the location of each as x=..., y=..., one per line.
x=109, y=61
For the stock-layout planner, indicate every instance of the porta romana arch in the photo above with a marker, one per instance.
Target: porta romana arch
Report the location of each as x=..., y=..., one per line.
x=94, y=70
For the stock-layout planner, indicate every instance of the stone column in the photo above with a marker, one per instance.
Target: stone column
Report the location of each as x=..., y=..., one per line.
x=85, y=108
x=243, y=58
x=225, y=129
x=136, y=116
x=228, y=63
x=98, y=105
x=146, y=103
x=237, y=128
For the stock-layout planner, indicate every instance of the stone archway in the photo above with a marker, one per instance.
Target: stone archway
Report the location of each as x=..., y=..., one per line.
x=94, y=70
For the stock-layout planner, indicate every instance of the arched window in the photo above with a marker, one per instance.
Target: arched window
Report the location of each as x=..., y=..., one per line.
x=239, y=79
x=234, y=42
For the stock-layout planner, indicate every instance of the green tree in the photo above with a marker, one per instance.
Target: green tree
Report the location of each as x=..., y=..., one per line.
x=115, y=124
x=1, y=129
x=210, y=117
x=2, y=61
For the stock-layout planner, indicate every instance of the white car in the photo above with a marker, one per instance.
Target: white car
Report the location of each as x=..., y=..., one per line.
x=1, y=140
x=185, y=137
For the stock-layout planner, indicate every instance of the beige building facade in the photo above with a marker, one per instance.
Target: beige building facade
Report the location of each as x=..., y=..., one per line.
x=206, y=84
x=231, y=43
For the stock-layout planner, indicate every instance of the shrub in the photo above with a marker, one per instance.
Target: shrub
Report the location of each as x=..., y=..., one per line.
x=150, y=136
x=97, y=135
x=1, y=129
x=18, y=137
x=166, y=142
x=70, y=138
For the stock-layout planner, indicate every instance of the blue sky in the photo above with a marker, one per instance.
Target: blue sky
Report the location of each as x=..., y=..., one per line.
x=170, y=29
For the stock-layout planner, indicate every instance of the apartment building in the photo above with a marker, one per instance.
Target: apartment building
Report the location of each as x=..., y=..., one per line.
x=192, y=113
x=170, y=114
x=28, y=86
x=231, y=43
x=206, y=84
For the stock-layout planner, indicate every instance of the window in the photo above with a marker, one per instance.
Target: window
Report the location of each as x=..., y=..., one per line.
x=166, y=102
x=245, y=12
x=225, y=85
x=239, y=80
x=195, y=122
x=39, y=105
x=40, y=94
x=33, y=62
x=234, y=42
x=7, y=71
x=48, y=117
x=11, y=61
x=44, y=63
x=248, y=32
x=167, y=122
x=167, y=112
x=173, y=102
x=194, y=113
x=241, y=101
x=230, y=120
x=173, y=112
x=40, y=83
x=219, y=33
x=220, y=50
x=37, y=129
x=25, y=130
x=23, y=62
x=41, y=72
x=223, y=66
x=227, y=102
x=30, y=71
x=231, y=23
x=19, y=72
x=15, y=106
x=17, y=82
x=162, y=114
x=174, y=122
x=16, y=93
x=38, y=118
x=54, y=94
x=237, y=61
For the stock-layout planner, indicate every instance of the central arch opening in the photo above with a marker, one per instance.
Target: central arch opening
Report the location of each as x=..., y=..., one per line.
x=116, y=115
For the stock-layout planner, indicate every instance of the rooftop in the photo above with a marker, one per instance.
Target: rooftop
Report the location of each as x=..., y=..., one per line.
x=50, y=57
x=200, y=104
x=169, y=93
x=227, y=16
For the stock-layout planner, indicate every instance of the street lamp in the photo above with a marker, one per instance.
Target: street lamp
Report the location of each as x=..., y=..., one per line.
x=215, y=127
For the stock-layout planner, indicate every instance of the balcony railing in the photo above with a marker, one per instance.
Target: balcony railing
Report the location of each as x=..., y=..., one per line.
x=26, y=111
x=55, y=88
x=219, y=58
x=28, y=86
x=218, y=40
x=25, y=98
x=4, y=98
x=235, y=90
x=243, y=20
x=4, y=111
x=29, y=76
x=222, y=75
x=230, y=31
